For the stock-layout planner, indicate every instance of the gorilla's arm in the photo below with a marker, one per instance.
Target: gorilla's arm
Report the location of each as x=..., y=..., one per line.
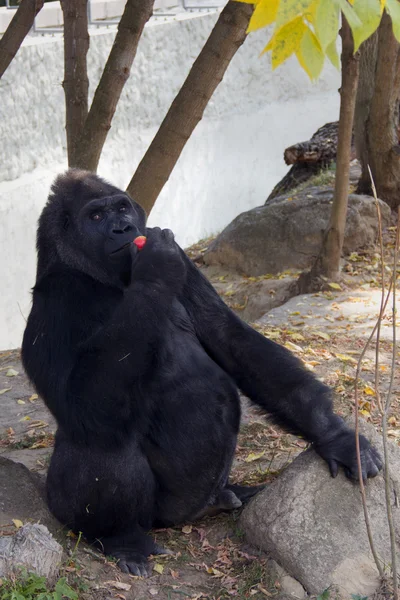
x=84, y=368
x=273, y=378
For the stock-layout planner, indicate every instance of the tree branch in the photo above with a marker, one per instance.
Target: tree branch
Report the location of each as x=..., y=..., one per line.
x=115, y=74
x=188, y=107
x=17, y=30
x=76, y=82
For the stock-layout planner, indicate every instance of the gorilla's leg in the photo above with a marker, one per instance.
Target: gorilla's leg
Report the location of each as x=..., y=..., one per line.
x=108, y=495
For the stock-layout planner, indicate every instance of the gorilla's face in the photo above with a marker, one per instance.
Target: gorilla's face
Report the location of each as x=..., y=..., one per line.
x=106, y=228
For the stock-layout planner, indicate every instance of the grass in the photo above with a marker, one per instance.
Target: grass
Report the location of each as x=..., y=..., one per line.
x=29, y=586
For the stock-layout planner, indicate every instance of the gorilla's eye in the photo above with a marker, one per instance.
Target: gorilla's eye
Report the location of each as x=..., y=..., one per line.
x=122, y=208
x=96, y=216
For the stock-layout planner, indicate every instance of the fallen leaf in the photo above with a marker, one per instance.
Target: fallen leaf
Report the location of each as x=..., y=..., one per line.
x=119, y=585
x=26, y=418
x=214, y=572
x=158, y=568
x=293, y=347
x=369, y=390
x=322, y=335
x=3, y=391
x=334, y=286
x=17, y=523
x=20, y=401
x=187, y=529
x=33, y=398
x=253, y=456
x=346, y=358
x=11, y=373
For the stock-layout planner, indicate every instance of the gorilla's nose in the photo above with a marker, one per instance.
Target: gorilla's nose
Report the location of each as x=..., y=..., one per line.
x=122, y=229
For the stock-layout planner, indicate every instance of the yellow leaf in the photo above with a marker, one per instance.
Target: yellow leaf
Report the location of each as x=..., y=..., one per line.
x=370, y=13
x=187, y=529
x=17, y=523
x=26, y=418
x=310, y=55
x=158, y=568
x=33, y=398
x=20, y=401
x=253, y=456
x=369, y=390
x=346, y=358
x=393, y=8
x=326, y=23
x=334, y=286
x=322, y=335
x=286, y=41
x=293, y=347
x=365, y=413
x=297, y=336
x=4, y=390
x=263, y=15
x=214, y=572
x=290, y=9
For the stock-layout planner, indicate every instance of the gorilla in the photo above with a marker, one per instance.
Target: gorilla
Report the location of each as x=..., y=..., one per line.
x=140, y=362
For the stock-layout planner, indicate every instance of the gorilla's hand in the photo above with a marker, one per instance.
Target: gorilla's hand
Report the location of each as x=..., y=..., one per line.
x=341, y=450
x=159, y=261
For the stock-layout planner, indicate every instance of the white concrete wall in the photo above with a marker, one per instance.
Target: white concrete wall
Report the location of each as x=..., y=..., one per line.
x=230, y=164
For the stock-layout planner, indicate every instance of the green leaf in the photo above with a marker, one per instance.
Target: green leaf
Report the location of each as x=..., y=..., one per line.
x=64, y=589
x=326, y=23
x=310, y=55
x=264, y=14
x=349, y=13
x=370, y=13
x=333, y=55
x=393, y=9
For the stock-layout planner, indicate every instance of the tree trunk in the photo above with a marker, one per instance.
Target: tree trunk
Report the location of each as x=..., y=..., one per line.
x=15, y=33
x=327, y=264
x=382, y=131
x=188, y=107
x=365, y=92
x=115, y=74
x=76, y=82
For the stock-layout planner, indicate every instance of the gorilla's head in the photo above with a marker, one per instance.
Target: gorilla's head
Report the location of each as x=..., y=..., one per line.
x=88, y=224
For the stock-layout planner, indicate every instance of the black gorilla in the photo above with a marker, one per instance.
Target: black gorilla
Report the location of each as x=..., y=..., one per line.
x=139, y=361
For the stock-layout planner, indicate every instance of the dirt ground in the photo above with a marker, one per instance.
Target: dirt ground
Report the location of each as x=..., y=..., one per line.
x=211, y=559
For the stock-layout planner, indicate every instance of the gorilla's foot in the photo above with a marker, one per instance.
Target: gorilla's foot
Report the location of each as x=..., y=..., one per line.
x=132, y=550
x=133, y=563
x=243, y=492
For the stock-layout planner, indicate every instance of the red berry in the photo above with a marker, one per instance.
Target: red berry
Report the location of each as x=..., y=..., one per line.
x=140, y=241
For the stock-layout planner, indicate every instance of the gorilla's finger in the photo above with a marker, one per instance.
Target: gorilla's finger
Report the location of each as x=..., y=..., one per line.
x=333, y=468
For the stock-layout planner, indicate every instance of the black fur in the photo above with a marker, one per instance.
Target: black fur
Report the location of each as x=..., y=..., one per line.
x=139, y=361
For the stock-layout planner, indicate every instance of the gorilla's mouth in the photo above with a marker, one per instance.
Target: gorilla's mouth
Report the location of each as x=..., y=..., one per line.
x=121, y=248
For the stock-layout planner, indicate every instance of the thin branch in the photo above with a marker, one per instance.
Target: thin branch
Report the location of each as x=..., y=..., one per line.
x=17, y=30
x=385, y=420
x=378, y=333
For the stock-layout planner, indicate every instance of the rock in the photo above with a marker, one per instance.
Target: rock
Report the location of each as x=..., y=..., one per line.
x=33, y=548
x=22, y=496
x=287, y=233
x=288, y=585
x=314, y=526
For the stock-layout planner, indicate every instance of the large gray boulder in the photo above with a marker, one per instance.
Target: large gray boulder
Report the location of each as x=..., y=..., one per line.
x=22, y=497
x=287, y=232
x=314, y=526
